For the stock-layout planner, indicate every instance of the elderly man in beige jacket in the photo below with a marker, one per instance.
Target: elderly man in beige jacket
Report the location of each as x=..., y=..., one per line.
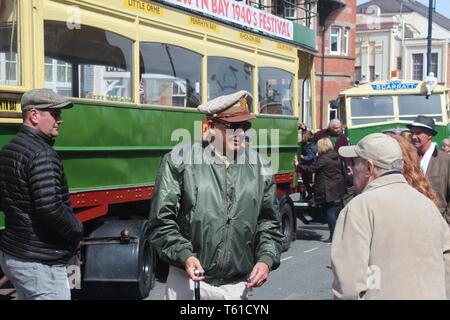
x=390, y=242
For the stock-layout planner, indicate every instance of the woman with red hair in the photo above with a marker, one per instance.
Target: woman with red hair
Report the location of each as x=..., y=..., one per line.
x=411, y=168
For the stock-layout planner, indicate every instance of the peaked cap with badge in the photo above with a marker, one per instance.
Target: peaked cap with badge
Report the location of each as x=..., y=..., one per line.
x=230, y=108
x=44, y=99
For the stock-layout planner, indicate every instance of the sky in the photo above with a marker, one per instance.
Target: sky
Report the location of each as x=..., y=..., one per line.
x=442, y=6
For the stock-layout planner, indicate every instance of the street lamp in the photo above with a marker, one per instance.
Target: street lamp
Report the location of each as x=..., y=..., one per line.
x=431, y=5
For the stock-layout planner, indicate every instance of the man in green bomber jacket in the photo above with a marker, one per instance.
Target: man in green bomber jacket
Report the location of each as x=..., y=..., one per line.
x=215, y=209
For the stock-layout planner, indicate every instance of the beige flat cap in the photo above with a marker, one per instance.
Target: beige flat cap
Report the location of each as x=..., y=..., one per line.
x=378, y=147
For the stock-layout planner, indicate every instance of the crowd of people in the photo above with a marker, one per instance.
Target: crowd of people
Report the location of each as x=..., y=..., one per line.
x=401, y=179
x=386, y=202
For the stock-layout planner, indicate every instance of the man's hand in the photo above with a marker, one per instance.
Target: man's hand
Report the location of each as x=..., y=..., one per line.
x=259, y=275
x=192, y=264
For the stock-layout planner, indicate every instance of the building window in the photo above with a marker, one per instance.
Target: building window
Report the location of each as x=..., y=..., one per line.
x=399, y=63
x=417, y=66
x=346, y=40
x=332, y=110
x=335, y=40
x=290, y=11
x=434, y=64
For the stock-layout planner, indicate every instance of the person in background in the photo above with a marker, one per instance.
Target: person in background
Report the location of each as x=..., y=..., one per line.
x=390, y=241
x=411, y=169
x=446, y=145
x=336, y=136
x=434, y=163
x=41, y=231
x=215, y=209
x=407, y=135
x=309, y=154
x=329, y=186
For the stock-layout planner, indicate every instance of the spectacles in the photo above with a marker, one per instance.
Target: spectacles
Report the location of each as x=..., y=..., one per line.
x=245, y=125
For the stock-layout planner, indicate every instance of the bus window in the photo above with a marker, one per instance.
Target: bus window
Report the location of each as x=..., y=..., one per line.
x=275, y=91
x=99, y=61
x=371, y=110
x=226, y=76
x=410, y=106
x=171, y=75
x=9, y=60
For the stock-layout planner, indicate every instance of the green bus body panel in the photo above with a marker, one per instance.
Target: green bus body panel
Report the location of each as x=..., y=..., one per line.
x=107, y=147
x=357, y=134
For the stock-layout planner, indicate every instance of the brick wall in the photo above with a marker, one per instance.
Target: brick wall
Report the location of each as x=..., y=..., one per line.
x=334, y=73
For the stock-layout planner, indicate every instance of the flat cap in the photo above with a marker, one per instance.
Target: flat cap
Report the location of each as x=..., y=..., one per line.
x=44, y=99
x=230, y=108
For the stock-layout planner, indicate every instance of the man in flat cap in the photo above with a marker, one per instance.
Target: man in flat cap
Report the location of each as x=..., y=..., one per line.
x=217, y=216
x=41, y=232
x=390, y=241
x=434, y=162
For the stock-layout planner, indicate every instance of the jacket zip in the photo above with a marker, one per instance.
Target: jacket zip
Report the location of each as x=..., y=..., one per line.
x=227, y=231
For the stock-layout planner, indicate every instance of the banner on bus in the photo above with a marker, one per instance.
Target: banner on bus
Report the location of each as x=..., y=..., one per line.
x=244, y=15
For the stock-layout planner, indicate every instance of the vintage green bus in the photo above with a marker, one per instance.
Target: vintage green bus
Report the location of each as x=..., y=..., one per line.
x=136, y=71
x=391, y=105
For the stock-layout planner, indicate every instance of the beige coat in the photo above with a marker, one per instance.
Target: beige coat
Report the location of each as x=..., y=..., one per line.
x=391, y=242
x=438, y=172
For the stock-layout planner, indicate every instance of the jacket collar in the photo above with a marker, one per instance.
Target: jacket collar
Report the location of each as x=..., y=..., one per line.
x=384, y=180
x=214, y=156
x=435, y=151
x=37, y=134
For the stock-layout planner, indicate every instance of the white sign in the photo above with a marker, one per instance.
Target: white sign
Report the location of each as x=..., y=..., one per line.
x=395, y=85
x=244, y=15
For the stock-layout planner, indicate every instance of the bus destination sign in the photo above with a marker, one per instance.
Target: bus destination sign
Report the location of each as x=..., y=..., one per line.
x=395, y=85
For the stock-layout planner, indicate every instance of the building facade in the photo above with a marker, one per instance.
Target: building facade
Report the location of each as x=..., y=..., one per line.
x=334, y=65
x=391, y=41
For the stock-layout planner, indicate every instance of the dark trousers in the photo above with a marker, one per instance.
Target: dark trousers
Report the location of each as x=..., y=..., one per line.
x=331, y=210
x=308, y=181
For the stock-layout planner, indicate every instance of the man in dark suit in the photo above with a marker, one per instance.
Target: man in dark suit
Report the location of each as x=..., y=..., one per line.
x=435, y=163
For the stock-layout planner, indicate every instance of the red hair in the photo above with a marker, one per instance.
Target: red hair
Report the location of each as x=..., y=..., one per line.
x=411, y=169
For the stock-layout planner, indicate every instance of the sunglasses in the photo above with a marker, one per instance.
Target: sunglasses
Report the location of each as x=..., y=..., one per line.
x=245, y=125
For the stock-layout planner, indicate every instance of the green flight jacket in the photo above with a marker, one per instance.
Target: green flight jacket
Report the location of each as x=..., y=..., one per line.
x=226, y=216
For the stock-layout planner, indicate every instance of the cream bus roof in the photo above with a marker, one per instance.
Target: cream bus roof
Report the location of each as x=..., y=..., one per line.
x=391, y=87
